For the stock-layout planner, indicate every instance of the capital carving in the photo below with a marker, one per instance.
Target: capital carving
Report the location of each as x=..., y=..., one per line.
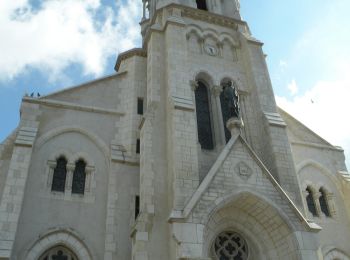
x=70, y=167
x=194, y=84
x=217, y=89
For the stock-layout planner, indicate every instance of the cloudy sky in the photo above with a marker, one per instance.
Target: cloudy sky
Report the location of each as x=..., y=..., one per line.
x=47, y=45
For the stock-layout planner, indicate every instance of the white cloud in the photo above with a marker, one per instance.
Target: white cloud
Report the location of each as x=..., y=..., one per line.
x=62, y=32
x=293, y=87
x=324, y=109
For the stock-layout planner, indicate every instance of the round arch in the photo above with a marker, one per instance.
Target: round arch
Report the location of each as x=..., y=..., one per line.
x=68, y=129
x=324, y=171
x=59, y=237
x=205, y=77
x=252, y=216
x=336, y=254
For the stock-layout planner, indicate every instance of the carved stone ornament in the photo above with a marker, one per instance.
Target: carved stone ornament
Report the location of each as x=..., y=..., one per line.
x=194, y=84
x=217, y=89
x=243, y=170
x=210, y=50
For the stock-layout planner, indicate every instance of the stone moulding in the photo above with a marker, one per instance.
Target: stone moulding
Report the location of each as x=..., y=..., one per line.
x=196, y=14
x=59, y=236
x=72, y=106
x=275, y=119
x=181, y=216
x=26, y=136
x=128, y=54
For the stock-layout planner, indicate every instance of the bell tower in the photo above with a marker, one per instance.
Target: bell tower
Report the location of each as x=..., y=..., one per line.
x=195, y=49
x=227, y=8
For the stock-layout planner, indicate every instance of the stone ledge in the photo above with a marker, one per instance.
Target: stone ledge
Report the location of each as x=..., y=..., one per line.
x=26, y=136
x=72, y=106
x=183, y=103
x=275, y=119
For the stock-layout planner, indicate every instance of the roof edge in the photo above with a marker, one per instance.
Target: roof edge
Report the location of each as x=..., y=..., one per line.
x=128, y=54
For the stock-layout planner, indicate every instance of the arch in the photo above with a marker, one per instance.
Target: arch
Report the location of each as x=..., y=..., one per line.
x=235, y=79
x=226, y=37
x=194, y=30
x=211, y=33
x=84, y=156
x=59, y=237
x=247, y=213
x=68, y=129
x=336, y=254
x=323, y=170
x=231, y=198
x=62, y=152
x=205, y=76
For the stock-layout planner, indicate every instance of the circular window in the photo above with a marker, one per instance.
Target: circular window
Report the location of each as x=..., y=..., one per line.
x=230, y=246
x=58, y=253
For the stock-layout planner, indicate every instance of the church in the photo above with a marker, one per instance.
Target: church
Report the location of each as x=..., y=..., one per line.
x=181, y=154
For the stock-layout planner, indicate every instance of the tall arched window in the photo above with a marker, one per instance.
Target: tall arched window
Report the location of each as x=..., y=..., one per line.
x=79, y=177
x=323, y=202
x=225, y=115
x=205, y=135
x=230, y=105
x=310, y=201
x=59, y=175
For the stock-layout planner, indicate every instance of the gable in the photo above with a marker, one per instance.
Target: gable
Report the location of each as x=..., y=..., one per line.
x=298, y=132
x=238, y=169
x=100, y=93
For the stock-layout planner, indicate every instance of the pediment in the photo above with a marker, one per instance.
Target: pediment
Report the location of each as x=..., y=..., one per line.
x=238, y=169
x=102, y=93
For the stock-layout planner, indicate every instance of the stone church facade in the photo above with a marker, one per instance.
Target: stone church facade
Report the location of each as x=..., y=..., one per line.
x=157, y=162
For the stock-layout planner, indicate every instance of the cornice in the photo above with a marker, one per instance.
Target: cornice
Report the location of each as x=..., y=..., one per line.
x=192, y=13
x=209, y=17
x=72, y=106
x=128, y=54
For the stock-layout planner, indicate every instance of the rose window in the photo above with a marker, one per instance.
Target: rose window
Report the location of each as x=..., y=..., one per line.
x=230, y=246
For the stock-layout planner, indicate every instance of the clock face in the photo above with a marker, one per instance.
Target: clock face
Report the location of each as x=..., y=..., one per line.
x=211, y=50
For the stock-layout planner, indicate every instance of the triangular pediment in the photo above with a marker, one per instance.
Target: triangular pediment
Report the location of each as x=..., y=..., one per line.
x=299, y=133
x=238, y=168
x=103, y=93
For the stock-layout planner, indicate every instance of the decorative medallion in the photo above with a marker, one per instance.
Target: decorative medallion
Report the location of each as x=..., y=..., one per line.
x=210, y=50
x=243, y=170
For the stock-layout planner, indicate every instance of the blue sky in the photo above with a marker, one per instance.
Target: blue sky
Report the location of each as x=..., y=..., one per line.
x=52, y=44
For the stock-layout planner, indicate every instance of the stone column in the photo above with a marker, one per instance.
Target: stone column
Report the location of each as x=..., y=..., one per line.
x=217, y=91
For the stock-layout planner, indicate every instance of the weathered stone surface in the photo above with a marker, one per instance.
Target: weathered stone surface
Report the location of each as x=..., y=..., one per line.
x=254, y=184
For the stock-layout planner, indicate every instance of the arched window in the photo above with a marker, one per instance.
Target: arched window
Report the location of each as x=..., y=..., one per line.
x=79, y=177
x=59, y=175
x=230, y=245
x=205, y=135
x=225, y=114
x=230, y=107
x=202, y=5
x=310, y=201
x=58, y=253
x=323, y=203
